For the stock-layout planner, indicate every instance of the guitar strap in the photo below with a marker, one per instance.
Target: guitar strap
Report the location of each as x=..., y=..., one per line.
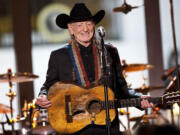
x=78, y=65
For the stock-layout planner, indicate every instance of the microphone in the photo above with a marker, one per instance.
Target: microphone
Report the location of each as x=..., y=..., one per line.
x=101, y=31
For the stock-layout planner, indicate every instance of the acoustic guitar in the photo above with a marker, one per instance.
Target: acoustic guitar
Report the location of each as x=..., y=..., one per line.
x=74, y=107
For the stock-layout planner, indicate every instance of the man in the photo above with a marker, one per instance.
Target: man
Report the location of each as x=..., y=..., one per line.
x=79, y=62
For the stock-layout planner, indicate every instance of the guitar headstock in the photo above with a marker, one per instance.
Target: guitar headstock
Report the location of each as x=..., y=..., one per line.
x=171, y=97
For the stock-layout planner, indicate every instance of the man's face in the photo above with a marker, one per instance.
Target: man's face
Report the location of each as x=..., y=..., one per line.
x=83, y=31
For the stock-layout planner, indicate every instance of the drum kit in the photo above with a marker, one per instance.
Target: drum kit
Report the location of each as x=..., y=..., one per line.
x=38, y=119
x=155, y=113
x=35, y=124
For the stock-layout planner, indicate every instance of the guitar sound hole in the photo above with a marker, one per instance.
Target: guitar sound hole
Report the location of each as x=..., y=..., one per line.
x=94, y=106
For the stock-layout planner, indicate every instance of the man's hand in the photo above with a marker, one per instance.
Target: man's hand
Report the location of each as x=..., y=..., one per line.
x=43, y=102
x=145, y=103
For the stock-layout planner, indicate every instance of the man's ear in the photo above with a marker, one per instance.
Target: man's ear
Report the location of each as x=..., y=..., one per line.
x=70, y=29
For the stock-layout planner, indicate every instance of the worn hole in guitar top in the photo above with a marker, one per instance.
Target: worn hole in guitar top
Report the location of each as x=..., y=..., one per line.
x=94, y=106
x=78, y=112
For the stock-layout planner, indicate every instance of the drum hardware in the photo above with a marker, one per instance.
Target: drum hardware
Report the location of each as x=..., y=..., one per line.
x=43, y=117
x=28, y=112
x=42, y=130
x=128, y=122
x=10, y=94
x=144, y=119
x=123, y=112
x=135, y=67
x=17, y=77
x=3, y=129
x=146, y=89
x=9, y=122
x=9, y=78
x=127, y=113
x=17, y=119
x=43, y=127
x=156, y=111
x=27, y=108
x=5, y=109
x=34, y=118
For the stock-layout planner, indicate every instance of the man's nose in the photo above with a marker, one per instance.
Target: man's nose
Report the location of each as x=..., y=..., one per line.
x=85, y=27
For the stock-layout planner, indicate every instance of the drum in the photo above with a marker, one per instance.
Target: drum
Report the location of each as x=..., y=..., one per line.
x=39, y=118
x=17, y=132
x=43, y=118
x=41, y=124
x=43, y=130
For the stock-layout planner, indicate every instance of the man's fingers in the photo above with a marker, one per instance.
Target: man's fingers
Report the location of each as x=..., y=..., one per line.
x=146, y=104
x=42, y=98
x=152, y=105
x=43, y=101
x=45, y=104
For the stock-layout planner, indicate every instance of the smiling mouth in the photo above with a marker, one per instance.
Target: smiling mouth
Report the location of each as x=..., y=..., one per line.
x=86, y=41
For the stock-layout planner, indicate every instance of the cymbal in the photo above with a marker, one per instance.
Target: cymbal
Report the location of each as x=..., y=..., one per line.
x=125, y=8
x=18, y=77
x=135, y=118
x=144, y=117
x=146, y=89
x=136, y=67
x=42, y=130
x=4, y=108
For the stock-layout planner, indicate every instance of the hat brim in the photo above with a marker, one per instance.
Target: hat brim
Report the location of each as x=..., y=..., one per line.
x=62, y=20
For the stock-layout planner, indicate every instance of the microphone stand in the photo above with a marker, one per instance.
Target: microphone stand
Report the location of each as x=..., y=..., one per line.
x=104, y=64
x=175, y=46
x=175, y=50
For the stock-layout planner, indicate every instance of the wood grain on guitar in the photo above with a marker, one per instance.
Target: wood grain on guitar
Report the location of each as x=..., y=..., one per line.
x=74, y=107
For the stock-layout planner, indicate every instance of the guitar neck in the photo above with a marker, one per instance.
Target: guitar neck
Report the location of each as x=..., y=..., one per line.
x=129, y=102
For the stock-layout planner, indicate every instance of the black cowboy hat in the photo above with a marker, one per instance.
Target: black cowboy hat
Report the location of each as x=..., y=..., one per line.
x=79, y=13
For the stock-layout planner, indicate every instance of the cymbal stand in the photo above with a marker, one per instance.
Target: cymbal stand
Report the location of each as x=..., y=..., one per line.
x=172, y=115
x=11, y=96
x=128, y=124
x=175, y=49
x=2, y=124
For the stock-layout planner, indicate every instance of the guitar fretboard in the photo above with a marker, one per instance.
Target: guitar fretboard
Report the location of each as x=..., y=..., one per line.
x=129, y=102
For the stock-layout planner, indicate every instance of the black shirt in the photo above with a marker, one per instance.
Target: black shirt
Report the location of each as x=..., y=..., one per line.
x=88, y=61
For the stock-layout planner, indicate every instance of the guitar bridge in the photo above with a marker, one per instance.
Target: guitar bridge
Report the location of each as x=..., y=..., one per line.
x=68, y=109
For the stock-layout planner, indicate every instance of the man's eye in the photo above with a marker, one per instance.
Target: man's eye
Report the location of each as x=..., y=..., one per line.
x=89, y=23
x=79, y=25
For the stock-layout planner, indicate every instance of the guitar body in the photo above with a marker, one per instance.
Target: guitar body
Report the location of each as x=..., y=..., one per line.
x=74, y=107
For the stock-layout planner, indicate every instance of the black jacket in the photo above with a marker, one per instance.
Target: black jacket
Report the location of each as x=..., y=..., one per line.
x=60, y=68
